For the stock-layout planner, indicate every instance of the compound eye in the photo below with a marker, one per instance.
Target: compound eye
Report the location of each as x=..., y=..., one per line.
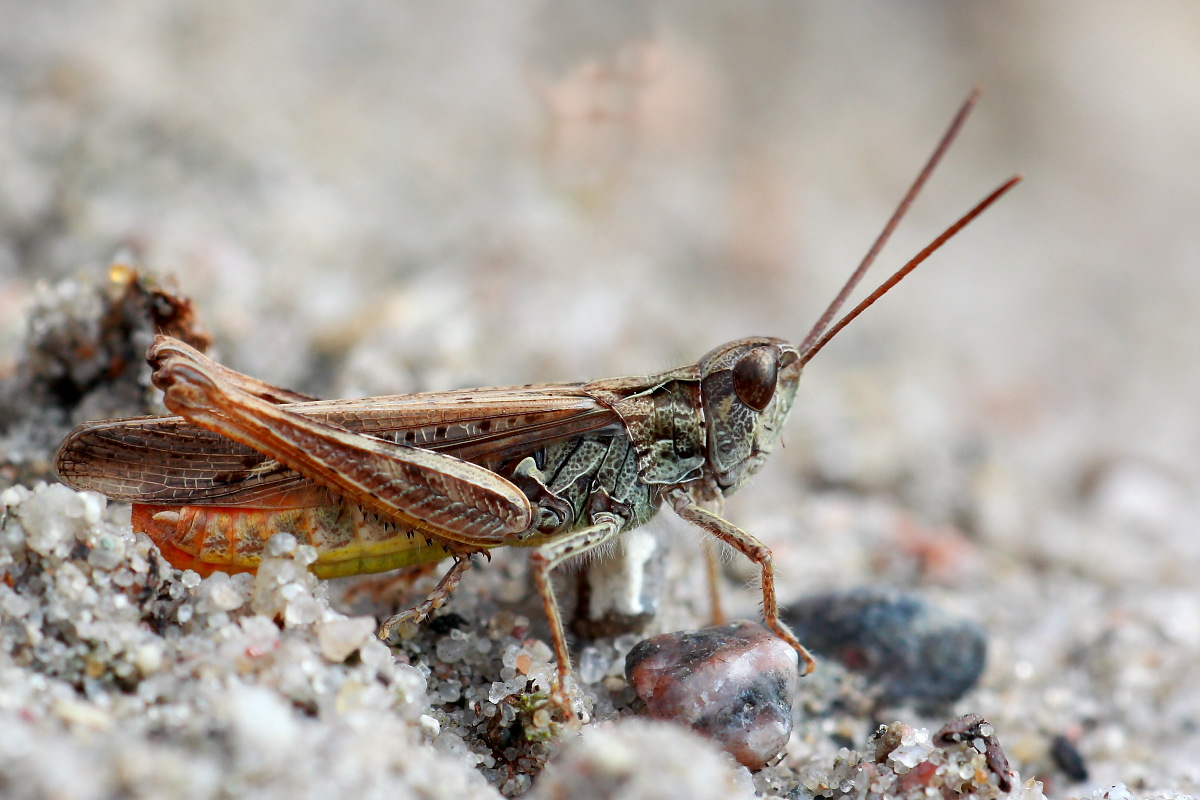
x=754, y=377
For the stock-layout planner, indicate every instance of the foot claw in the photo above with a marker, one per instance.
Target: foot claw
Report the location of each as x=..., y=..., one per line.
x=389, y=625
x=560, y=698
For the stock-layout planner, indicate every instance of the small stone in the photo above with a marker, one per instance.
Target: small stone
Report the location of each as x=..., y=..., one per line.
x=260, y=722
x=302, y=609
x=912, y=650
x=13, y=605
x=341, y=636
x=1068, y=759
x=278, y=581
x=374, y=654
x=429, y=726
x=281, y=544
x=408, y=689
x=13, y=496
x=108, y=552
x=149, y=657
x=500, y=690
x=83, y=714
x=592, y=665
x=637, y=759
x=451, y=647
x=733, y=683
x=87, y=507
x=222, y=593
x=49, y=531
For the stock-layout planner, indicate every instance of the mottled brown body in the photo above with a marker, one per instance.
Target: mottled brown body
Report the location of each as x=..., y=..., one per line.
x=380, y=483
x=383, y=483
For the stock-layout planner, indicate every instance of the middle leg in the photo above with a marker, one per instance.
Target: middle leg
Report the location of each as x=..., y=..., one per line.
x=605, y=526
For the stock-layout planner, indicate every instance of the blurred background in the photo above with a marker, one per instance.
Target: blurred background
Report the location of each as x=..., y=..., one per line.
x=383, y=198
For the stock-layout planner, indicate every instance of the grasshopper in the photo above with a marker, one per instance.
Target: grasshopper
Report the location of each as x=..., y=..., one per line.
x=381, y=483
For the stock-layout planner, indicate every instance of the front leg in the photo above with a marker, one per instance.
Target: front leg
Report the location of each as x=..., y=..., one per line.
x=754, y=550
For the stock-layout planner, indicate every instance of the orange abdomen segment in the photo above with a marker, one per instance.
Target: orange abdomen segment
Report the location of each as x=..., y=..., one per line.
x=348, y=540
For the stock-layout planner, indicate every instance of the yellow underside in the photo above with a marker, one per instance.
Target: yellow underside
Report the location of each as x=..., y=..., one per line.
x=219, y=539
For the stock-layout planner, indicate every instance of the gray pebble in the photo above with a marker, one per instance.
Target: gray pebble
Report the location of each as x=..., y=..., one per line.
x=914, y=651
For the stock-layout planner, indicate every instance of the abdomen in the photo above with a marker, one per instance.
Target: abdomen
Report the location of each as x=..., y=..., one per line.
x=348, y=540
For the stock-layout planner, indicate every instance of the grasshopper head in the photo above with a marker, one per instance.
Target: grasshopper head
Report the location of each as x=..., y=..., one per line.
x=748, y=387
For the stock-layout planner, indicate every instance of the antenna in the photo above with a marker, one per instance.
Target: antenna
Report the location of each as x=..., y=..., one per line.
x=943, y=145
x=807, y=354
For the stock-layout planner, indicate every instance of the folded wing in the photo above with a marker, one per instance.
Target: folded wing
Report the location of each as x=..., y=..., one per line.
x=166, y=461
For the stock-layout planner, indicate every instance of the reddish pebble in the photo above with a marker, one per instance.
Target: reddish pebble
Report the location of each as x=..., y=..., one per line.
x=732, y=683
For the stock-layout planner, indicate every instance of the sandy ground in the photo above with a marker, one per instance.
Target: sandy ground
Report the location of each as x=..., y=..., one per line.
x=395, y=198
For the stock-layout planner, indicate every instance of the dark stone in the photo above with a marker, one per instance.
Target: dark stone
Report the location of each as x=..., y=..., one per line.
x=913, y=651
x=447, y=622
x=1068, y=759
